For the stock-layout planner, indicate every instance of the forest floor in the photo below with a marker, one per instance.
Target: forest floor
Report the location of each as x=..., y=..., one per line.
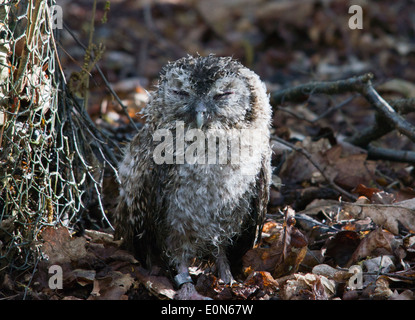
x=344, y=229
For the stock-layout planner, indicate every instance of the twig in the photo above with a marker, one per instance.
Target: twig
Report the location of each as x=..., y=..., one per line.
x=388, y=115
x=100, y=137
x=107, y=84
x=309, y=157
x=322, y=115
x=391, y=155
x=388, y=112
x=382, y=126
x=88, y=54
x=299, y=93
x=334, y=108
x=31, y=278
x=403, y=106
x=30, y=30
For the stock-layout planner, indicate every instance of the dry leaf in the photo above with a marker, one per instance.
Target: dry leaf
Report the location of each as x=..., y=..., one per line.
x=281, y=253
x=60, y=247
x=307, y=287
x=160, y=286
x=390, y=216
x=341, y=247
x=331, y=273
x=401, y=86
x=112, y=287
x=353, y=170
x=264, y=281
x=362, y=190
x=382, y=290
x=405, y=295
x=375, y=243
x=84, y=277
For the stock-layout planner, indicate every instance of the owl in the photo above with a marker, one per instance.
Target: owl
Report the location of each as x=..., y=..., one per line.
x=194, y=181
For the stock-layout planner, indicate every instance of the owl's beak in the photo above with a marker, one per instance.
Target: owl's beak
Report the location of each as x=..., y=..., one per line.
x=200, y=114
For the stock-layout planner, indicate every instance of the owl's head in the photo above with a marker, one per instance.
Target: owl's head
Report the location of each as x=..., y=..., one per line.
x=207, y=93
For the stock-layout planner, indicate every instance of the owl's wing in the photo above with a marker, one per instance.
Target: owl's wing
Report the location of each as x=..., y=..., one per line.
x=261, y=201
x=142, y=237
x=138, y=223
x=253, y=224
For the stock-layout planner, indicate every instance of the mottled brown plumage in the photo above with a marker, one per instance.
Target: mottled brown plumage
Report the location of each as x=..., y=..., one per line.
x=176, y=203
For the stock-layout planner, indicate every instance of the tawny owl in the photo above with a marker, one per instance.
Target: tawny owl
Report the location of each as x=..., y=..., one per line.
x=194, y=182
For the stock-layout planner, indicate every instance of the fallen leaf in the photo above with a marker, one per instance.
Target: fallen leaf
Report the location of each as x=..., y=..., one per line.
x=400, y=86
x=362, y=190
x=281, y=253
x=339, y=248
x=331, y=273
x=390, y=216
x=307, y=287
x=405, y=295
x=159, y=286
x=264, y=281
x=381, y=290
x=84, y=277
x=112, y=287
x=376, y=242
x=243, y=291
x=59, y=247
x=353, y=170
x=383, y=197
x=374, y=267
x=311, y=259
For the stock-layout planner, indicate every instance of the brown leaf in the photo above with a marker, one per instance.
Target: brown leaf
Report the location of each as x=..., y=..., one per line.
x=382, y=290
x=60, y=247
x=375, y=195
x=377, y=241
x=390, y=216
x=353, y=170
x=160, y=286
x=243, y=291
x=264, y=281
x=331, y=273
x=341, y=247
x=112, y=287
x=362, y=190
x=307, y=287
x=281, y=253
x=383, y=197
x=84, y=277
x=405, y=295
x=401, y=86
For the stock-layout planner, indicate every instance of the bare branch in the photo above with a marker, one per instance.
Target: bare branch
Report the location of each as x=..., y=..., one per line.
x=391, y=155
x=388, y=115
x=388, y=112
x=301, y=92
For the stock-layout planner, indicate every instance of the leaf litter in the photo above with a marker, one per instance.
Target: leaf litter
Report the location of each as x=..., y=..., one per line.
x=313, y=238
x=279, y=267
